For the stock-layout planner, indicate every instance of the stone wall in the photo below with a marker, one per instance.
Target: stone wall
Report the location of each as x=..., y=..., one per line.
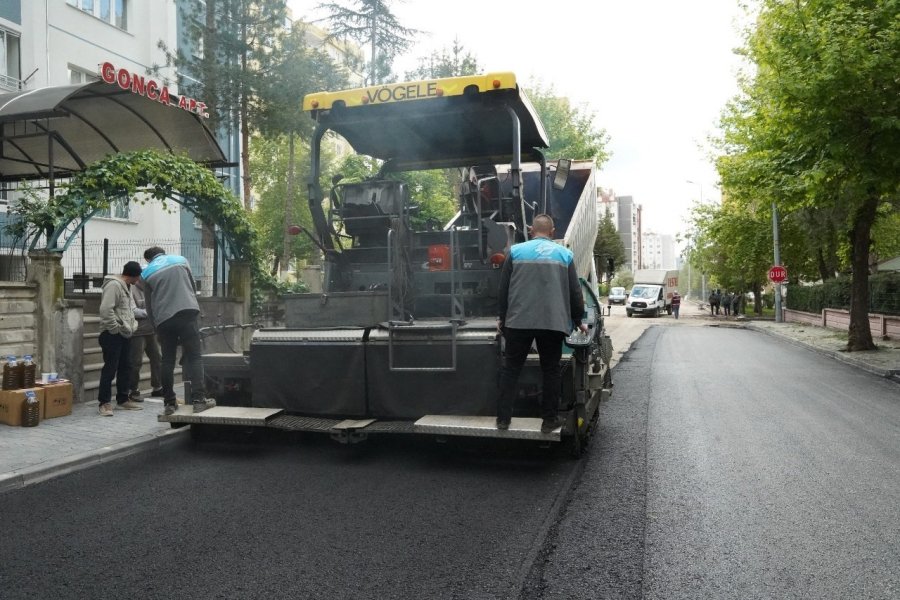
x=18, y=331
x=881, y=326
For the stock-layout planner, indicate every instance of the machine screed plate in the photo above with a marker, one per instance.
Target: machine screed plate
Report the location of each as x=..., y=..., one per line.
x=521, y=428
x=223, y=415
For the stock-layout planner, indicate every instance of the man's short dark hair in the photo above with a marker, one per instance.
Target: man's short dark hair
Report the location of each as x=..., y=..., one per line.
x=151, y=252
x=131, y=269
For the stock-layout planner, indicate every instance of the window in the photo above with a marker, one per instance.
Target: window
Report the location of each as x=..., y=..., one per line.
x=118, y=209
x=121, y=14
x=77, y=75
x=9, y=60
x=114, y=12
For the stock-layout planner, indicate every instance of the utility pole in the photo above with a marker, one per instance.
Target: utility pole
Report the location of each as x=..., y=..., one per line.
x=778, y=316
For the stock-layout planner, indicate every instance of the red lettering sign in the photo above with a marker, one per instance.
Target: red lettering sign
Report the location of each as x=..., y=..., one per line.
x=149, y=88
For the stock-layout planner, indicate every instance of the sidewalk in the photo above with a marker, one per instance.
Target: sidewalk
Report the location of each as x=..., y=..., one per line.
x=58, y=446
x=884, y=362
x=65, y=444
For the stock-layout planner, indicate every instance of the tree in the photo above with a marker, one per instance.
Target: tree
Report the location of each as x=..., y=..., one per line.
x=371, y=22
x=296, y=70
x=608, y=244
x=816, y=125
x=573, y=133
x=228, y=60
x=452, y=62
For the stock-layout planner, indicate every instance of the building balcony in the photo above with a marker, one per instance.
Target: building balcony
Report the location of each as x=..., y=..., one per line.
x=9, y=84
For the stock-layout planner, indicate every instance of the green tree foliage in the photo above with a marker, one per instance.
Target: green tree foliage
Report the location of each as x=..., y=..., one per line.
x=817, y=124
x=572, y=130
x=371, y=22
x=608, y=244
x=297, y=71
x=446, y=62
x=231, y=53
x=142, y=176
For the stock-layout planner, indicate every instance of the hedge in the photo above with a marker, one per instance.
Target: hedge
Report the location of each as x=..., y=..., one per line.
x=884, y=294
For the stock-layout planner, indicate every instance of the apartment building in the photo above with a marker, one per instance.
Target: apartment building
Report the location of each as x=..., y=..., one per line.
x=62, y=42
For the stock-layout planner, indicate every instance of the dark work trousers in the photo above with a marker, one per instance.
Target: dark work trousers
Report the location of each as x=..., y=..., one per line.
x=115, y=364
x=140, y=345
x=518, y=345
x=181, y=329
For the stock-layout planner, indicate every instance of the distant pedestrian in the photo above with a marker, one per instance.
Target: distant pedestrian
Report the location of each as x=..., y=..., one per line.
x=173, y=308
x=736, y=304
x=714, y=298
x=117, y=325
x=143, y=342
x=726, y=303
x=676, y=303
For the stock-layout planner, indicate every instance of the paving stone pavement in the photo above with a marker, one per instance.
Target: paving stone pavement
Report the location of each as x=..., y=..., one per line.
x=58, y=446
x=65, y=444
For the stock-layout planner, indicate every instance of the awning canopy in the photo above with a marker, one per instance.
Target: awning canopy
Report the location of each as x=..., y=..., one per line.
x=70, y=127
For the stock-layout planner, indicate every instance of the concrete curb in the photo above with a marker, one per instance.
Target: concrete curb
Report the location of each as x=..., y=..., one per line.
x=840, y=356
x=76, y=462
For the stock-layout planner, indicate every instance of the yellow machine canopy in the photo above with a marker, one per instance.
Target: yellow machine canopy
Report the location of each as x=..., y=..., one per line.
x=433, y=123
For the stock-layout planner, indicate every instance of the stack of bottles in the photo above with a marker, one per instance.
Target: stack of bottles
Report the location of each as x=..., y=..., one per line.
x=21, y=374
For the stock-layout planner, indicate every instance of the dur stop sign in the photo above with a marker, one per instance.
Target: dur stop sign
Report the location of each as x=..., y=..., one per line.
x=777, y=274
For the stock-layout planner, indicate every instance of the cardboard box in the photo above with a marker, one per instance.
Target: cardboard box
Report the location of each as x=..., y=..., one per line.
x=57, y=400
x=11, y=403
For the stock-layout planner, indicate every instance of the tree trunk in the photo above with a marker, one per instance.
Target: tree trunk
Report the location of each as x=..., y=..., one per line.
x=245, y=123
x=288, y=209
x=757, y=300
x=823, y=266
x=860, y=336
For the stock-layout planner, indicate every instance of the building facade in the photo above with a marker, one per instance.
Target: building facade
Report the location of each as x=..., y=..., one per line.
x=657, y=251
x=62, y=42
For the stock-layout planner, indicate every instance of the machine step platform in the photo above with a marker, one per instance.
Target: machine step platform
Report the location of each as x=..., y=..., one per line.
x=223, y=415
x=520, y=428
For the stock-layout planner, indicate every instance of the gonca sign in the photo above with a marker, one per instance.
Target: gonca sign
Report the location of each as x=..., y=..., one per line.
x=150, y=88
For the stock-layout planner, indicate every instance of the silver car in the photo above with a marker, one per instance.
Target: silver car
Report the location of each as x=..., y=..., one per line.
x=617, y=295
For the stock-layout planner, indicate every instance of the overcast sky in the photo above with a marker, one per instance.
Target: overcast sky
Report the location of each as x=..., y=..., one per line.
x=656, y=73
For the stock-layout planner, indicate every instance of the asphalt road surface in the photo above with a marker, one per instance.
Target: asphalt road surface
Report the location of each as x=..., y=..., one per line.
x=733, y=465
x=729, y=465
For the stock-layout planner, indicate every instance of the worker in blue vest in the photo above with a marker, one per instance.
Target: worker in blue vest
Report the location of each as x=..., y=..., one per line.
x=539, y=300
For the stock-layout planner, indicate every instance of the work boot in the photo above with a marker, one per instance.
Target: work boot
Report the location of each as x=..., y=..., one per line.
x=170, y=409
x=129, y=405
x=106, y=410
x=201, y=405
x=548, y=425
x=135, y=396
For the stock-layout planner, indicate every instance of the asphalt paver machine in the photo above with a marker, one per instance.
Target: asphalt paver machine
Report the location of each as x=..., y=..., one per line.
x=403, y=337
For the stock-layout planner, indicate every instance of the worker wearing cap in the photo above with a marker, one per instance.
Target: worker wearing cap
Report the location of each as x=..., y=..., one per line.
x=117, y=325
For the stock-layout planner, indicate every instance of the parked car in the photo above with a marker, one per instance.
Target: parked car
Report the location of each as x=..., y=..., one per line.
x=617, y=295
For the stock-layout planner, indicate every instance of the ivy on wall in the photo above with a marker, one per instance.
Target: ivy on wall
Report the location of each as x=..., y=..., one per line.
x=142, y=177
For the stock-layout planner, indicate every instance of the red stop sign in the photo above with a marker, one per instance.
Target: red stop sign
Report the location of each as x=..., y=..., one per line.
x=777, y=274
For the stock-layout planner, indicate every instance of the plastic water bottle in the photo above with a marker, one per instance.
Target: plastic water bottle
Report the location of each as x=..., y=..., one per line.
x=28, y=372
x=31, y=410
x=12, y=374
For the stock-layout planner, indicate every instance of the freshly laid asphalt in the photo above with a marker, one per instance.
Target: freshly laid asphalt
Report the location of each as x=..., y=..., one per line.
x=62, y=445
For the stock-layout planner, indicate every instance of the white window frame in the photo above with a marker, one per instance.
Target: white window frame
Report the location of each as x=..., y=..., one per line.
x=118, y=10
